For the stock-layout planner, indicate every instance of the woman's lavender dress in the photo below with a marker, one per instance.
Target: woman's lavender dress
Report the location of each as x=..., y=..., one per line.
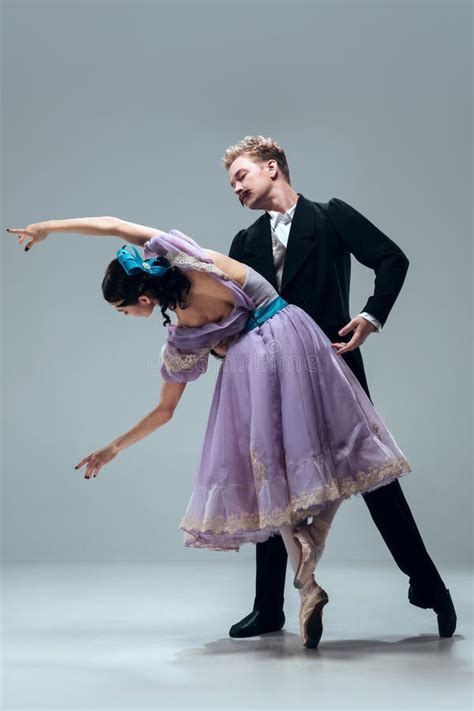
x=290, y=426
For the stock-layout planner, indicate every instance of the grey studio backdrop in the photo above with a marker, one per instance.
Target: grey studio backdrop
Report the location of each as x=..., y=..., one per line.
x=124, y=109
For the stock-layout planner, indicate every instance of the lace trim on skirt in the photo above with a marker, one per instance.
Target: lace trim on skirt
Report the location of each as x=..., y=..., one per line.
x=299, y=507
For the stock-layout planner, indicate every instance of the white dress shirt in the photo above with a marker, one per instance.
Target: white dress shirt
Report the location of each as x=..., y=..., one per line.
x=280, y=223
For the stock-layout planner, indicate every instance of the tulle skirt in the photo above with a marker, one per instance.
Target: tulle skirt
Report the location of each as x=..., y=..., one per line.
x=289, y=429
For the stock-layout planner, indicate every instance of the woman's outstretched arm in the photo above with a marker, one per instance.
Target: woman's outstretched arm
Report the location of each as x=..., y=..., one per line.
x=136, y=234
x=169, y=398
x=97, y=226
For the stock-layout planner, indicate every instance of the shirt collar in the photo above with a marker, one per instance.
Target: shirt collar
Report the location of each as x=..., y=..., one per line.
x=274, y=215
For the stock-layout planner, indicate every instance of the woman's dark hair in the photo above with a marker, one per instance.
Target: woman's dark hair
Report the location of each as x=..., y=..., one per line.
x=124, y=289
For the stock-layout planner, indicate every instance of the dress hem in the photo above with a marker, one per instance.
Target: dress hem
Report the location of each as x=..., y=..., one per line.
x=226, y=533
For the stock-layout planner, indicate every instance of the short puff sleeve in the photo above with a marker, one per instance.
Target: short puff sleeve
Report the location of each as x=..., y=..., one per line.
x=180, y=366
x=174, y=244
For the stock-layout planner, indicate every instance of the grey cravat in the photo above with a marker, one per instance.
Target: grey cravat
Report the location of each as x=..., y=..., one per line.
x=279, y=252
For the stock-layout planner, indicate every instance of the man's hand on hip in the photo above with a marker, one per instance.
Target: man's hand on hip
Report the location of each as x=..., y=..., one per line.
x=362, y=329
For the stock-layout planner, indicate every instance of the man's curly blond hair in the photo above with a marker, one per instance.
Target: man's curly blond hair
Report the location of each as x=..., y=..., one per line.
x=257, y=147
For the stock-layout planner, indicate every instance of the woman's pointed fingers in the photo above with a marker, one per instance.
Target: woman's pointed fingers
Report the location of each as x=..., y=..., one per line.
x=83, y=461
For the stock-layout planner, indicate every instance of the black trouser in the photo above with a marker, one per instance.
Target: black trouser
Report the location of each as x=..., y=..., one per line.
x=392, y=516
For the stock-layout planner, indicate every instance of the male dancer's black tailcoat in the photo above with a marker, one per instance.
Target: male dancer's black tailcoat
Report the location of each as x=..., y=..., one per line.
x=316, y=277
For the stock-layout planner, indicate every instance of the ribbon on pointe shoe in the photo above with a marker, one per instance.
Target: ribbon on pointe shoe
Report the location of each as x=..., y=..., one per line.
x=309, y=554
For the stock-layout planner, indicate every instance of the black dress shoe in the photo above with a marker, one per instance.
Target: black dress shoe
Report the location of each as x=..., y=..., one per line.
x=446, y=613
x=416, y=599
x=256, y=623
x=442, y=604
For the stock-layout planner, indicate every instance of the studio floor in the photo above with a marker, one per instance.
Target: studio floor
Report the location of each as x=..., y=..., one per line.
x=155, y=636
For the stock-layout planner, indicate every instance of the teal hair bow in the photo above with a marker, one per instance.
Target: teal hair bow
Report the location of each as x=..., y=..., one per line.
x=133, y=263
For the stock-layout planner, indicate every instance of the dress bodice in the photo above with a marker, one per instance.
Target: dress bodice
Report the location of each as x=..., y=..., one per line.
x=186, y=346
x=258, y=288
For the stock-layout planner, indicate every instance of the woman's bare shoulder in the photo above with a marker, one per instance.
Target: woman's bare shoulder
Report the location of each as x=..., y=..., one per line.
x=236, y=270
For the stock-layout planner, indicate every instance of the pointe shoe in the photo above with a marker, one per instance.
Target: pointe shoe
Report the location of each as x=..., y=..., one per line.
x=302, y=536
x=313, y=599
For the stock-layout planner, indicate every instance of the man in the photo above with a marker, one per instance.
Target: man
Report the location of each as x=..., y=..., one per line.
x=303, y=248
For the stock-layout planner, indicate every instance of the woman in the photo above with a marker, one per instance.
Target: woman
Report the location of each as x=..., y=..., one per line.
x=291, y=432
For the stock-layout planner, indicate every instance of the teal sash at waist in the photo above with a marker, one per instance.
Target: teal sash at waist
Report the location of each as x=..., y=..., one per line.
x=260, y=315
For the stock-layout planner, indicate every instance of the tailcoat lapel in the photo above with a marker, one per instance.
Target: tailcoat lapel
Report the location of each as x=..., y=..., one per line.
x=258, y=247
x=300, y=240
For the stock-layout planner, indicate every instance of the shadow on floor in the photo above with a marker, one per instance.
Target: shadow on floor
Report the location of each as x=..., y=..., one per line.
x=286, y=644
